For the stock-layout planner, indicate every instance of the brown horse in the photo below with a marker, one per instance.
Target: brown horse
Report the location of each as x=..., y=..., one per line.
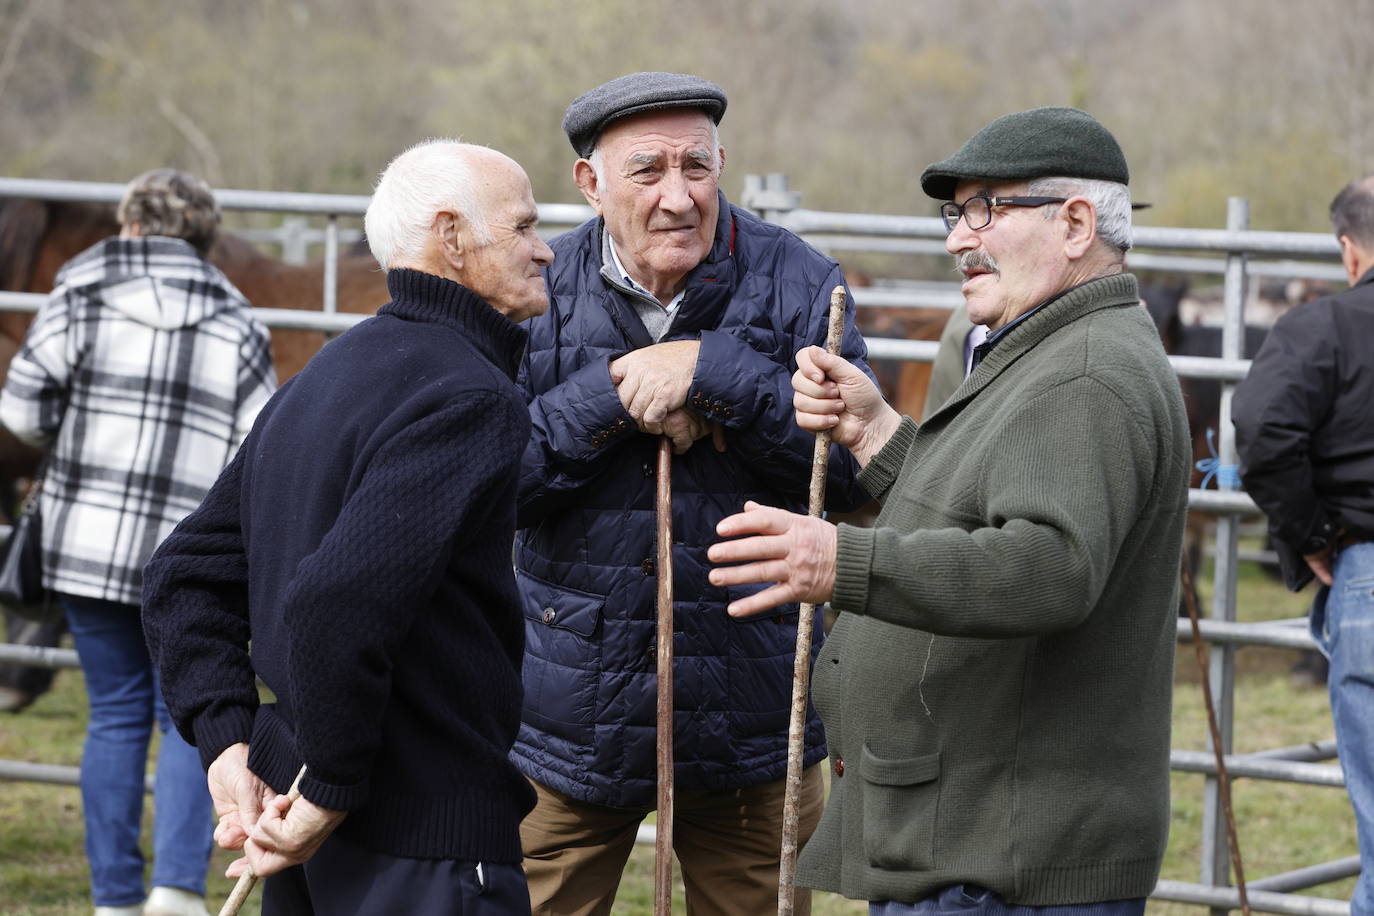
x=37, y=237
x=903, y=382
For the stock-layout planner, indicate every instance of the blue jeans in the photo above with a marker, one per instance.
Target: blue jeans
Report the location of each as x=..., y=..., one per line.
x=1343, y=625
x=125, y=700
x=970, y=899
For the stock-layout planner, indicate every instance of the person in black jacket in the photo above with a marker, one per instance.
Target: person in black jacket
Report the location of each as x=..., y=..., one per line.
x=361, y=540
x=1305, y=432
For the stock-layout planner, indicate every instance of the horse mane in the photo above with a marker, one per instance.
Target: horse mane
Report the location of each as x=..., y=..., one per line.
x=23, y=223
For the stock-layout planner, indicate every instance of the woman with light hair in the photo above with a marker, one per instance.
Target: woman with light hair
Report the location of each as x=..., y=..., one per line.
x=140, y=375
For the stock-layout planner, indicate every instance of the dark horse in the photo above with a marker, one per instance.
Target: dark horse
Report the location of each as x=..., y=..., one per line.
x=1201, y=397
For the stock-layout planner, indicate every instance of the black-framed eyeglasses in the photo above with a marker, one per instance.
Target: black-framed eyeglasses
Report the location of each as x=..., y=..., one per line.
x=977, y=211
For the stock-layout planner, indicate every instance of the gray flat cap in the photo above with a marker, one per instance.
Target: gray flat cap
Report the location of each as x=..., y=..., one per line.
x=1039, y=143
x=589, y=113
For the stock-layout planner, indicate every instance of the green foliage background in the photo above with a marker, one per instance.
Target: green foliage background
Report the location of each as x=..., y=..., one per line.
x=1266, y=99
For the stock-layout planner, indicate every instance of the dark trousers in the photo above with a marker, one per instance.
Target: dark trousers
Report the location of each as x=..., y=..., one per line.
x=344, y=879
x=971, y=900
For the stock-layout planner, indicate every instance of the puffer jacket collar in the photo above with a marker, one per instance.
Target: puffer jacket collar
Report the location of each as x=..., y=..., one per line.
x=709, y=286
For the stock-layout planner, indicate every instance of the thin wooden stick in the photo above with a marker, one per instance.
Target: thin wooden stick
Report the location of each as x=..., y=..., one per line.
x=244, y=887
x=801, y=667
x=663, y=844
x=1223, y=777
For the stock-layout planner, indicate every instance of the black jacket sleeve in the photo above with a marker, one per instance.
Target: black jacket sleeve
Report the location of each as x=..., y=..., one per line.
x=1276, y=410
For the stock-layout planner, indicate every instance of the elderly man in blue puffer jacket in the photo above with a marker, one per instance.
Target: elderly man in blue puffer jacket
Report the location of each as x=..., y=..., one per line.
x=673, y=313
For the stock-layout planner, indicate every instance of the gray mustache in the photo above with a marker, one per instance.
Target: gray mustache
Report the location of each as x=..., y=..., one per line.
x=976, y=259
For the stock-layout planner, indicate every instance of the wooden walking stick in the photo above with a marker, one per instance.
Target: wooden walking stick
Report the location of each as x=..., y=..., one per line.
x=801, y=668
x=1223, y=777
x=663, y=842
x=244, y=887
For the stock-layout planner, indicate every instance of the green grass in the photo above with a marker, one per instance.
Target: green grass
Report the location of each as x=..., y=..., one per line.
x=1281, y=827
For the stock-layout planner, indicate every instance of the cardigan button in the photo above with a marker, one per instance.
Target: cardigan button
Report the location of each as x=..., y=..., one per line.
x=648, y=566
x=839, y=766
x=549, y=616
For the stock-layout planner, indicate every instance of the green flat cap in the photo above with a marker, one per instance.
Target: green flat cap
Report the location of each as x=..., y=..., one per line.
x=1038, y=143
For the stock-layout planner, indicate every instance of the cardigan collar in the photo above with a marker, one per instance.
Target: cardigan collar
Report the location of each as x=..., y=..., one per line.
x=1111, y=291
x=418, y=296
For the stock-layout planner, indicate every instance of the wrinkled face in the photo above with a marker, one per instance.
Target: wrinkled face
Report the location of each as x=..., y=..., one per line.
x=507, y=271
x=658, y=193
x=1013, y=264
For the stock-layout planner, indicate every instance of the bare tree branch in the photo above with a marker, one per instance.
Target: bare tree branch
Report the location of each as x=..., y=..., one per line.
x=11, y=56
x=211, y=168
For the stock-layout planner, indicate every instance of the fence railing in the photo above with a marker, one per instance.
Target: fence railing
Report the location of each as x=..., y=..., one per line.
x=1243, y=253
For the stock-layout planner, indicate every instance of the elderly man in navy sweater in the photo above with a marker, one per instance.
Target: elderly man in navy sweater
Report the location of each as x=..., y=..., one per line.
x=361, y=541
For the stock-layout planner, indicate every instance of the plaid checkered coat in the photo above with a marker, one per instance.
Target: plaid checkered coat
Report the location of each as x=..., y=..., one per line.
x=143, y=371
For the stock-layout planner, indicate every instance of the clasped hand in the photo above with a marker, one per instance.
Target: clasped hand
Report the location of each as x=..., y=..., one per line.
x=653, y=383
x=273, y=831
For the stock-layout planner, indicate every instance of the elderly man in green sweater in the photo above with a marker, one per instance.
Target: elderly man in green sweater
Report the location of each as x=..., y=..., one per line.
x=996, y=693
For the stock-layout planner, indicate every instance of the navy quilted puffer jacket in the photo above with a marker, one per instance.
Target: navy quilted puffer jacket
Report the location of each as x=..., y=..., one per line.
x=586, y=555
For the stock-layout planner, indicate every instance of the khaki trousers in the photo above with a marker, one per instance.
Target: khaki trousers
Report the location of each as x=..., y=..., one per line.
x=727, y=843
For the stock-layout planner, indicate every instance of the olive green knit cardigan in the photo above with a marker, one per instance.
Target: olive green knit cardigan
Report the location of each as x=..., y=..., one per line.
x=996, y=693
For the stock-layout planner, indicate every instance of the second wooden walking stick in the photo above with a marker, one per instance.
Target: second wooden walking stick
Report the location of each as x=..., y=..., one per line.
x=663, y=843
x=801, y=671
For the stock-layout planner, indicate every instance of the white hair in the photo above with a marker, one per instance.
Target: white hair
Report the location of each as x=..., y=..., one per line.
x=431, y=176
x=1111, y=200
x=598, y=161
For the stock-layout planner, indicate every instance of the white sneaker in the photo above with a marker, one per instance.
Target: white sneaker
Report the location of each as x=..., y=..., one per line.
x=135, y=910
x=173, y=901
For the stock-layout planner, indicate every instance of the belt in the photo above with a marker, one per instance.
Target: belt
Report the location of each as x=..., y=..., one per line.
x=1346, y=540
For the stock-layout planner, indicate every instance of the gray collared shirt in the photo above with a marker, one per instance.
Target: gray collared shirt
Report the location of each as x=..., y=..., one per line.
x=656, y=317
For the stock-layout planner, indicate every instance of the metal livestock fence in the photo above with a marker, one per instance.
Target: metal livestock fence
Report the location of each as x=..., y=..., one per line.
x=1236, y=253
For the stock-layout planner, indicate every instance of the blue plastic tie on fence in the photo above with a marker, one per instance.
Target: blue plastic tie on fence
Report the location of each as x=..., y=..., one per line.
x=1227, y=476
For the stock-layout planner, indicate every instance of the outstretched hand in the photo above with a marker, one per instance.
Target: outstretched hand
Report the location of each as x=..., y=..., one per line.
x=831, y=393
x=795, y=552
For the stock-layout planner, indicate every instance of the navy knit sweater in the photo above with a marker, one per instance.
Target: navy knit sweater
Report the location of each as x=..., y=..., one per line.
x=361, y=539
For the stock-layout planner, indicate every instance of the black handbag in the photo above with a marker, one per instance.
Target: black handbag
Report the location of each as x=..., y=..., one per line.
x=21, y=566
